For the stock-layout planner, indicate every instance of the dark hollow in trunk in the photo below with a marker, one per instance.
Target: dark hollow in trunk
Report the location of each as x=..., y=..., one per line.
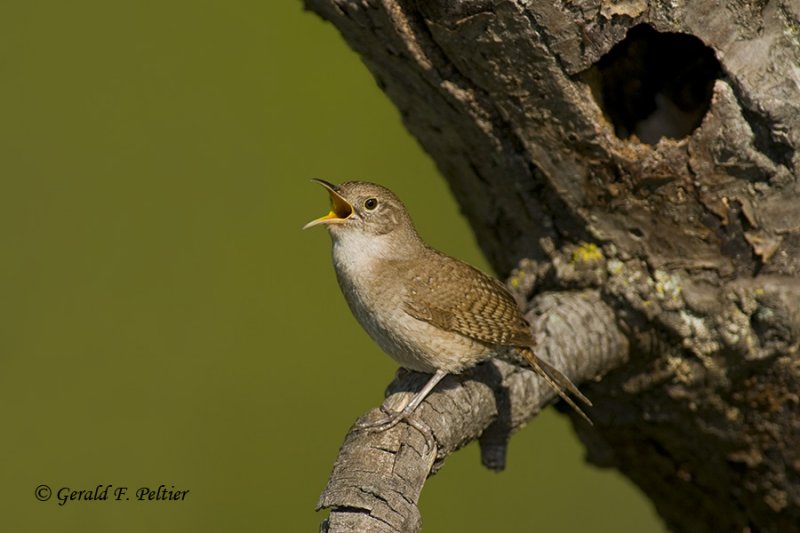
x=646, y=154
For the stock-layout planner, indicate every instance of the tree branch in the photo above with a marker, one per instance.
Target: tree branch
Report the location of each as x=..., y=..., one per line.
x=378, y=477
x=535, y=113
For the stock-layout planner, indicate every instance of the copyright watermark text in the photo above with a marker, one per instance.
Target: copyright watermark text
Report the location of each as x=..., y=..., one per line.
x=106, y=493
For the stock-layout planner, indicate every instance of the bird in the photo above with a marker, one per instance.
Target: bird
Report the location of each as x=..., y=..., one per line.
x=430, y=312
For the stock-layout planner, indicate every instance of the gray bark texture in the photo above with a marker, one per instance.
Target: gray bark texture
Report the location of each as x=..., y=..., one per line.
x=672, y=254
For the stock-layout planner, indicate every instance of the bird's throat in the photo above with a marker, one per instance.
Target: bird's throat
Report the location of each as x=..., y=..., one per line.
x=358, y=255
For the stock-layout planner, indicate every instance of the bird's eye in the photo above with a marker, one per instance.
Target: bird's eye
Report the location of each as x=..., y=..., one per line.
x=371, y=203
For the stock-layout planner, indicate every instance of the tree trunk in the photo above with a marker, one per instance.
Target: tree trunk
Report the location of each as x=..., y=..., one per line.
x=644, y=153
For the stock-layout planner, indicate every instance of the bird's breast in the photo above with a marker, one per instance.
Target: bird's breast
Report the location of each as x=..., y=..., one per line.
x=376, y=292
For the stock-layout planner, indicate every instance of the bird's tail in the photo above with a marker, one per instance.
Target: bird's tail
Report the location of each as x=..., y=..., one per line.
x=556, y=379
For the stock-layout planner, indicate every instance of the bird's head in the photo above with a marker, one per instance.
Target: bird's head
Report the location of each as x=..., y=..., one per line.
x=360, y=207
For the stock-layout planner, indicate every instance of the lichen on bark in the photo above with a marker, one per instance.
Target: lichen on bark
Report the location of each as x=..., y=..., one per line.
x=696, y=238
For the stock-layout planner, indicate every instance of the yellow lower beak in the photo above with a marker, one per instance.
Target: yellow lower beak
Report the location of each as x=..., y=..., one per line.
x=340, y=211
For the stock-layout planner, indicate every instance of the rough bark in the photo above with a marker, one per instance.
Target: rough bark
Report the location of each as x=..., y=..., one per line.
x=694, y=242
x=378, y=477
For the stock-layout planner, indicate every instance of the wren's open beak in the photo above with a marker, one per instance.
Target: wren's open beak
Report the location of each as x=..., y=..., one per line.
x=340, y=208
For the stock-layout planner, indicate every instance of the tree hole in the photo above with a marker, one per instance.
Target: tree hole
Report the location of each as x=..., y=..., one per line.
x=636, y=233
x=654, y=84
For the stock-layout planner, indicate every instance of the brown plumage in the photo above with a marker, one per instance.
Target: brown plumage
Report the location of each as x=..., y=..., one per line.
x=484, y=310
x=428, y=311
x=457, y=297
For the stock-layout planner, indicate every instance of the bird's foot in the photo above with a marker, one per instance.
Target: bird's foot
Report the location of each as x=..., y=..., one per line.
x=391, y=419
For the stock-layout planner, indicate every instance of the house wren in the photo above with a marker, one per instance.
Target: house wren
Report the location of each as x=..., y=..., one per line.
x=430, y=312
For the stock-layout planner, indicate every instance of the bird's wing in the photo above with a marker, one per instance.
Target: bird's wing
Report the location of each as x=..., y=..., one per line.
x=457, y=297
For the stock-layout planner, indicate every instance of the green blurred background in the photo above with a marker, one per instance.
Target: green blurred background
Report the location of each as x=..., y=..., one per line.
x=164, y=319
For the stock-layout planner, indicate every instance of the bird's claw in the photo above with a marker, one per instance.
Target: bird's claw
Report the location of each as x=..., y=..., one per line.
x=388, y=421
x=391, y=419
x=426, y=433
